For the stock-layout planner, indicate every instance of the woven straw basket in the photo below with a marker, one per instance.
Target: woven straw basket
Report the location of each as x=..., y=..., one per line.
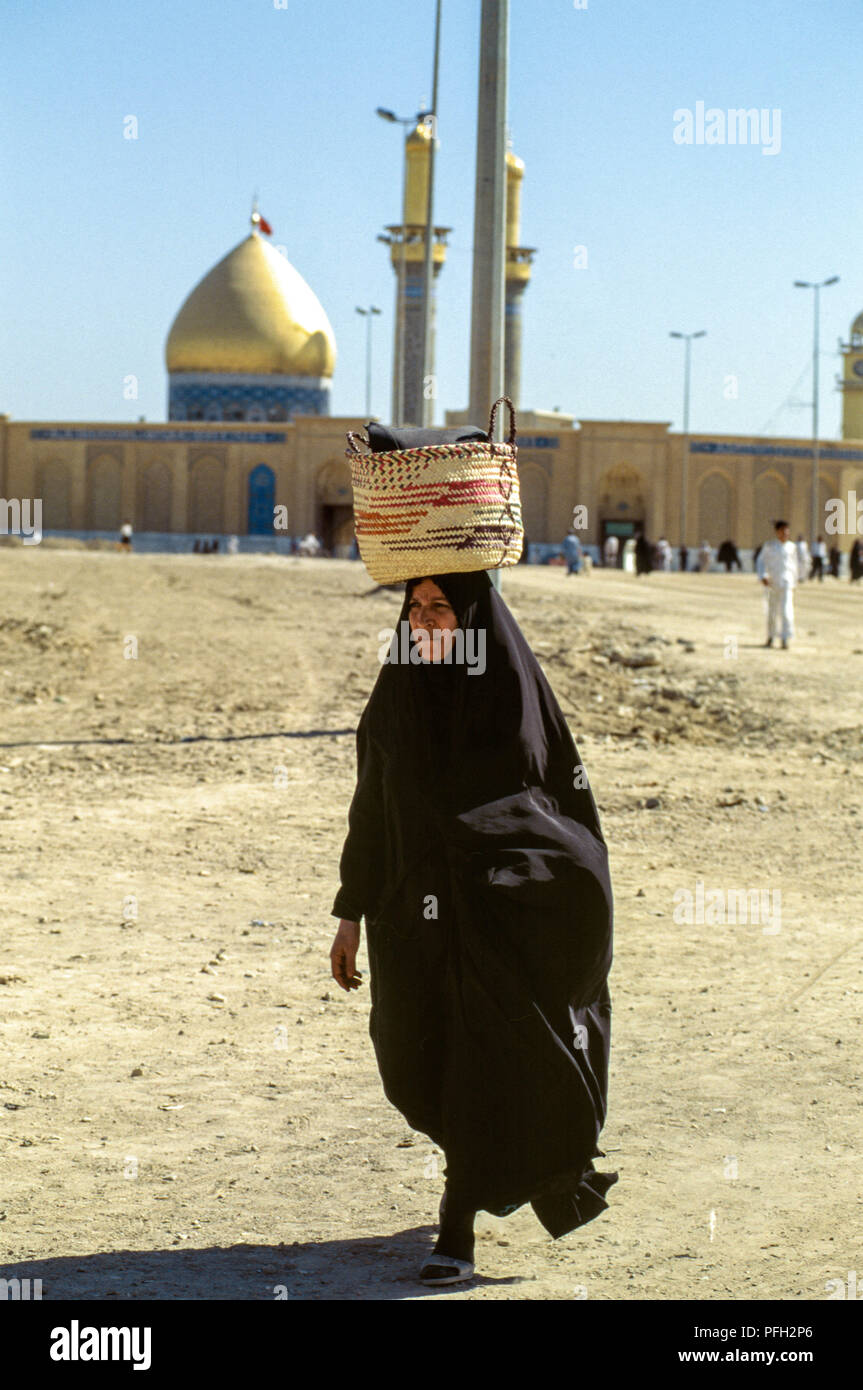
x=438, y=509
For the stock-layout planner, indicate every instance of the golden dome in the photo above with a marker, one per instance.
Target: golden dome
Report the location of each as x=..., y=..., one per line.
x=252, y=313
x=857, y=326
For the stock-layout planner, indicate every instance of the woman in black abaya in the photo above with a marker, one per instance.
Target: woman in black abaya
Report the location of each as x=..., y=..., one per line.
x=475, y=854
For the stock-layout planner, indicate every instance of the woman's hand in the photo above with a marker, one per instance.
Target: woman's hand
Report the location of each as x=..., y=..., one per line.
x=343, y=955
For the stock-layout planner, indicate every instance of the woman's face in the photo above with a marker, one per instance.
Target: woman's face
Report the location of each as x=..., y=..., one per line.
x=428, y=610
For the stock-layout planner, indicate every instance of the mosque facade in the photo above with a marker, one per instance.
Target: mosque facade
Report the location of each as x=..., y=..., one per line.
x=219, y=478
x=250, y=357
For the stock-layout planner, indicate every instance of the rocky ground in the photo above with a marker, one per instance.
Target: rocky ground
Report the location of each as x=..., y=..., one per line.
x=190, y=1108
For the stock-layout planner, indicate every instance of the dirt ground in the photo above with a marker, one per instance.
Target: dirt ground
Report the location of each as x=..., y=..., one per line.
x=189, y=1106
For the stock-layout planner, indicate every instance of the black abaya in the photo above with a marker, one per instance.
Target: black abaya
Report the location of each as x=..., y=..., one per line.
x=476, y=856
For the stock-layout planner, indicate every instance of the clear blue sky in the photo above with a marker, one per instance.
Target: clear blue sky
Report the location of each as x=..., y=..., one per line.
x=103, y=237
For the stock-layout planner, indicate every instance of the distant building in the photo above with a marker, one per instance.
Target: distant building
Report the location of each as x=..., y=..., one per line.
x=250, y=358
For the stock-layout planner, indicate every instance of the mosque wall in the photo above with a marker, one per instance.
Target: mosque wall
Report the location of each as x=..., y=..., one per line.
x=534, y=491
x=716, y=511
x=154, y=496
x=199, y=478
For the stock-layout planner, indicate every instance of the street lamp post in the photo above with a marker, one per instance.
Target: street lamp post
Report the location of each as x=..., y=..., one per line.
x=401, y=275
x=368, y=314
x=810, y=285
x=684, y=482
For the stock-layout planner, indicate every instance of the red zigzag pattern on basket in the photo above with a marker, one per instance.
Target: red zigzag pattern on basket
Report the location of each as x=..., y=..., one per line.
x=455, y=492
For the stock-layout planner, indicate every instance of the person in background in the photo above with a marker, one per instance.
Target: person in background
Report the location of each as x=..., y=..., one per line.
x=610, y=549
x=803, y=560
x=819, y=555
x=572, y=552
x=684, y=559
x=196, y=548
x=125, y=542
x=727, y=556
x=643, y=554
x=663, y=555
x=778, y=569
x=705, y=557
x=856, y=560
x=835, y=560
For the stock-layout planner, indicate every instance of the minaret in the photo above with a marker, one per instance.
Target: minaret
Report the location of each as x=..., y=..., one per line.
x=518, y=263
x=851, y=382
x=407, y=252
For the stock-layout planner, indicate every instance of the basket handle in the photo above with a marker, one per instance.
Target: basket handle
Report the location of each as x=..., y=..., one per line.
x=352, y=444
x=506, y=400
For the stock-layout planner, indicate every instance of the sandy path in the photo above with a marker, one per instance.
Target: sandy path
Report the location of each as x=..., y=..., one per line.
x=189, y=1107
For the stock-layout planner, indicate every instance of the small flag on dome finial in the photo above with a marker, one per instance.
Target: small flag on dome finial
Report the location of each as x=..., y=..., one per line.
x=259, y=221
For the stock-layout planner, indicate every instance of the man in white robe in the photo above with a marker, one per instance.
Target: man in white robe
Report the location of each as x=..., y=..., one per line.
x=777, y=568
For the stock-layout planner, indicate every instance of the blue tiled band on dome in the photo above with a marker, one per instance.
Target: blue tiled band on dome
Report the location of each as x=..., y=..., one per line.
x=213, y=396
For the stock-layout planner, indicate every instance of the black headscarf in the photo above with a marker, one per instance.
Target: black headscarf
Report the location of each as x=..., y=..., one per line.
x=475, y=737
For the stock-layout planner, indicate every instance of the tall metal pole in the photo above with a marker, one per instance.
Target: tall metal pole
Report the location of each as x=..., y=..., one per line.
x=489, y=240
x=368, y=315
x=816, y=447
x=489, y=227
x=684, y=479
x=430, y=387
x=401, y=276
x=399, y=403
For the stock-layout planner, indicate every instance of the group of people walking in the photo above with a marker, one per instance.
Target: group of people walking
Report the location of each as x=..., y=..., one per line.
x=642, y=555
x=780, y=565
